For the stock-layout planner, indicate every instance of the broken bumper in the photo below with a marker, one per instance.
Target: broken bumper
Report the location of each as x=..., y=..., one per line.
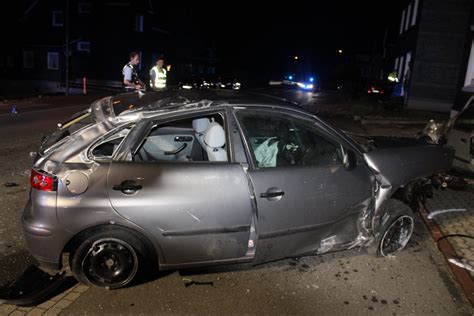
x=34, y=287
x=43, y=242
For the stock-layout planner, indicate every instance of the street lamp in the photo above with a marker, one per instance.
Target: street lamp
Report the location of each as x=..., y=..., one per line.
x=340, y=51
x=296, y=57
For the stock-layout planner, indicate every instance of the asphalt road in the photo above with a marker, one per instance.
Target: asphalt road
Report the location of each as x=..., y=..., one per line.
x=416, y=281
x=305, y=98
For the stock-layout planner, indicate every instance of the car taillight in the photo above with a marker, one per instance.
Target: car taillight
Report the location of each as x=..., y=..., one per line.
x=42, y=181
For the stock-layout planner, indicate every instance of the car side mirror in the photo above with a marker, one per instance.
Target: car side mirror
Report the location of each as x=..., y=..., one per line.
x=349, y=160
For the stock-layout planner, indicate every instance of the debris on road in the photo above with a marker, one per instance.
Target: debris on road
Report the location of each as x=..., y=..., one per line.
x=34, y=287
x=191, y=282
x=10, y=184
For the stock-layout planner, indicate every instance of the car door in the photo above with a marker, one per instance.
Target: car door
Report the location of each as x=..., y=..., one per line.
x=198, y=211
x=307, y=201
x=461, y=138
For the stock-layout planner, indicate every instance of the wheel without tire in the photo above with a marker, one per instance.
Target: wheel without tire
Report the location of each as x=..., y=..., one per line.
x=108, y=259
x=396, y=228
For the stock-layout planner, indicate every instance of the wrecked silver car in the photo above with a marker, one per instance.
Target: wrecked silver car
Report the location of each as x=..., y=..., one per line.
x=178, y=179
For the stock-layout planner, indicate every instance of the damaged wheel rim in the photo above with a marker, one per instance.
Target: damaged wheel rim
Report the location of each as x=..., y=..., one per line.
x=110, y=263
x=397, y=235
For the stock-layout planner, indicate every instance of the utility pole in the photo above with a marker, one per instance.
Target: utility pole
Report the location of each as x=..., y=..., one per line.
x=384, y=54
x=66, y=15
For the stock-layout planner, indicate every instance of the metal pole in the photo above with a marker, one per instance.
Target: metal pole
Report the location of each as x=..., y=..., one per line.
x=384, y=54
x=67, y=47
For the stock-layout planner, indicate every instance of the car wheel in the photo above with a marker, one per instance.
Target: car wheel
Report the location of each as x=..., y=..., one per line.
x=108, y=259
x=396, y=228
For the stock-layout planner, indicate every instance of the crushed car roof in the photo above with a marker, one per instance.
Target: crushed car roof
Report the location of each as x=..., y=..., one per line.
x=177, y=98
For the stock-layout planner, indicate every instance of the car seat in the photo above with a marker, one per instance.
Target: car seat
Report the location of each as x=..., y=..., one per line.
x=214, y=141
x=200, y=126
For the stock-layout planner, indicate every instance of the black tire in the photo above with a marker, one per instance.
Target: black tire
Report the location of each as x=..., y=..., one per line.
x=109, y=259
x=396, y=225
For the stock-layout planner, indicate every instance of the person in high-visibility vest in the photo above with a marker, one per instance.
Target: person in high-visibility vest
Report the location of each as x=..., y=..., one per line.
x=158, y=75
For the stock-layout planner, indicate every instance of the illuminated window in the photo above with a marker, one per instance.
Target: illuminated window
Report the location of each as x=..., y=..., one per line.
x=53, y=61
x=58, y=18
x=415, y=13
x=407, y=23
x=139, y=23
x=84, y=7
x=402, y=24
x=83, y=46
x=28, y=59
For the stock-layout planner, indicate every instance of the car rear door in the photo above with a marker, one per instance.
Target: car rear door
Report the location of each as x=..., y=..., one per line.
x=198, y=211
x=307, y=201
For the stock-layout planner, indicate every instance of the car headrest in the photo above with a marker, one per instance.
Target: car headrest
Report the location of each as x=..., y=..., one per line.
x=200, y=125
x=215, y=135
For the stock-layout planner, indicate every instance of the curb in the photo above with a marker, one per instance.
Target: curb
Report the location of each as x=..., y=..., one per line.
x=463, y=277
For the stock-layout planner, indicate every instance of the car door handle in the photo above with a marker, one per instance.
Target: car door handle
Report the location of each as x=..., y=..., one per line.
x=179, y=139
x=127, y=187
x=272, y=194
x=177, y=151
x=463, y=140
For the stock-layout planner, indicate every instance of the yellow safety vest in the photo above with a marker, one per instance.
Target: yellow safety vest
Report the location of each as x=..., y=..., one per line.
x=160, y=78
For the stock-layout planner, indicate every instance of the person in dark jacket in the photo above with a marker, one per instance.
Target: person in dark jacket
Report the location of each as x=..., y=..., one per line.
x=131, y=81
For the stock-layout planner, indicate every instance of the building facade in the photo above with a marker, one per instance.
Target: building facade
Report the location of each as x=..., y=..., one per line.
x=429, y=52
x=100, y=37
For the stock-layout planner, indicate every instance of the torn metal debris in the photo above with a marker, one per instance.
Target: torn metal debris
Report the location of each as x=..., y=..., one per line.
x=188, y=284
x=10, y=184
x=34, y=287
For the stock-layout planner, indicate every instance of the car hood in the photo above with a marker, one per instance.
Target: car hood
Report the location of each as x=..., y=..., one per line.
x=383, y=142
x=399, y=165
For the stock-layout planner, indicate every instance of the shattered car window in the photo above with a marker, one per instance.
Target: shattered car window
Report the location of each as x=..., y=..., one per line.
x=108, y=148
x=75, y=123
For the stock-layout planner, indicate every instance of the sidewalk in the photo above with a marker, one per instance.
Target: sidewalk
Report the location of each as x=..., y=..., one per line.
x=452, y=213
x=456, y=222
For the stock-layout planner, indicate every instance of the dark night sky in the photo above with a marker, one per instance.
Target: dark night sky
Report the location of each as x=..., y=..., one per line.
x=251, y=36
x=262, y=37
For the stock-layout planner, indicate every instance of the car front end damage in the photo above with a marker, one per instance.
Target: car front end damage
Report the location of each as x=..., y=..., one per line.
x=404, y=173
